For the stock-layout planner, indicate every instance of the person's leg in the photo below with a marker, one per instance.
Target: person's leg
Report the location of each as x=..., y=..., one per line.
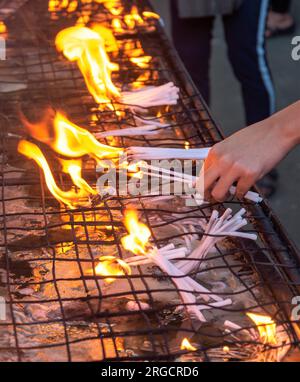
x=192, y=39
x=245, y=36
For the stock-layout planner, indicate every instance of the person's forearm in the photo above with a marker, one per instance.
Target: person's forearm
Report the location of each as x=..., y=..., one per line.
x=289, y=121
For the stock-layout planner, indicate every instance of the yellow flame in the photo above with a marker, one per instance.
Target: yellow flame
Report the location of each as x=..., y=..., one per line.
x=187, y=145
x=87, y=48
x=226, y=349
x=139, y=234
x=111, y=266
x=133, y=49
x=133, y=18
x=31, y=151
x=53, y=5
x=141, y=62
x=106, y=34
x=186, y=345
x=140, y=81
x=73, y=141
x=266, y=328
x=113, y=6
x=74, y=168
x=151, y=15
x=69, y=139
x=72, y=6
x=117, y=25
x=3, y=28
x=84, y=18
x=59, y=5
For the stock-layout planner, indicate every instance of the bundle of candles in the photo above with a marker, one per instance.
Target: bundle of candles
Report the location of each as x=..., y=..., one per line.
x=144, y=126
x=190, y=290
x=217, y=228
x=170, y=175
x=86, y=46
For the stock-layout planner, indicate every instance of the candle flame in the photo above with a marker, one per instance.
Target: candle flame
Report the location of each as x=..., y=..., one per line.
x=151, y=15
x=186, y=345
x=73, y=141
x=60, y=5
x=266, y=328
x=131, y=19
x=142, y=62
x=69, y=139
x=72, y=6
x=3, y=28
x=70, y=198
x=111, y=266
x=139, y=234
x=73, y=168
x=110, y=42
x=226, y=349
x=113, y=6
x=87, y=48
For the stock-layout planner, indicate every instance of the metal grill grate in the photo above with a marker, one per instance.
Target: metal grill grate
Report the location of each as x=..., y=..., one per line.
x=56, y=311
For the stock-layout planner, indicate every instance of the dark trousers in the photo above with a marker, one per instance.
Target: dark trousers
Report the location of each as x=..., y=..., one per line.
x=281, y=6
x=245, y=37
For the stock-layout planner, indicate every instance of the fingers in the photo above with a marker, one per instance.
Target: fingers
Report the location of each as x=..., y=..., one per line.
x=244, y=185
x=220, y=191
x=207, y=177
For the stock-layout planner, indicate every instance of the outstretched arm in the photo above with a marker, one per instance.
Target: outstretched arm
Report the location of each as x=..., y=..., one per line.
x=248, y=155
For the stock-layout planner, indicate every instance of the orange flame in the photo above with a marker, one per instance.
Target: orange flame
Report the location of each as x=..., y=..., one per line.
x=73, y=168
x=70, y=198
x=113, y=6
x=59, y=5
x=53, y=5
x=266, y=328
x=87, y=48
x=73, y=141
x=110, y=42
x=111, y=266
x=3, y=28
x=141, y=62
x=150, y=15
x=84, y=18
x=186, y=345
x=139, y=234
x=72, y=6
x=133, y=18
x=69, y=139
x=117, y=26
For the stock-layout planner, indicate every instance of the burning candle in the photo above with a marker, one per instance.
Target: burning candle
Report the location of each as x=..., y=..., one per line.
x=3, y=28
x=186, y=345
x=70, y=198
x=137, y=242
x=110, y=266
x=87, y=48
x=266, y=328
x=68, y=139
